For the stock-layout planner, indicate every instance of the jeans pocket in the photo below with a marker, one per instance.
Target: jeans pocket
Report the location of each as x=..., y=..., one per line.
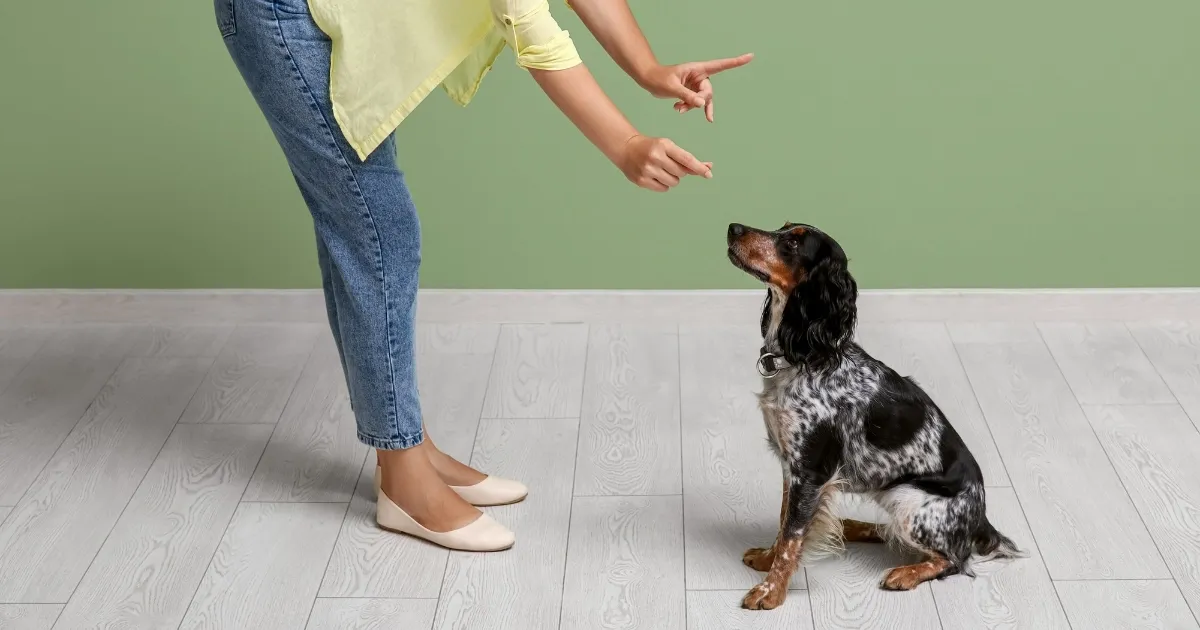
x=226, y=18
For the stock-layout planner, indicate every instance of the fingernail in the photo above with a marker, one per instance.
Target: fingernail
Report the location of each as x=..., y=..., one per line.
x=708, y=175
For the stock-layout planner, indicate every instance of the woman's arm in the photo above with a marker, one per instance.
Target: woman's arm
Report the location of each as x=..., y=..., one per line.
x=613, y=25
x=548, y=53
x=653, y=163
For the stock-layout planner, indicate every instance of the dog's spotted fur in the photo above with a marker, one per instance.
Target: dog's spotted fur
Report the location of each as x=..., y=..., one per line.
x=840, y=420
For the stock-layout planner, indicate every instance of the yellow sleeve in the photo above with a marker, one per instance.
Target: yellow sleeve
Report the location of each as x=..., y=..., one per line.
x=534, y=35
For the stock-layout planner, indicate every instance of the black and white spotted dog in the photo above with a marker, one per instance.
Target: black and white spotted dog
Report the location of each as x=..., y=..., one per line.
x=842, y=421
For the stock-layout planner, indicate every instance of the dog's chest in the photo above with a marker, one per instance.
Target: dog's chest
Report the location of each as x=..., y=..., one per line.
x=789, y=410
x=775, y=418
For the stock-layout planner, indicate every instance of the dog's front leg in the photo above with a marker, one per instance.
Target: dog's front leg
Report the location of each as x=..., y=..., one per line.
x=760, y=558
x=802, y=498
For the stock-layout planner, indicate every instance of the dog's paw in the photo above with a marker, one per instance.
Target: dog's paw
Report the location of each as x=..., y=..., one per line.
x=901, y=579
x=759, y=559
x=765, y=596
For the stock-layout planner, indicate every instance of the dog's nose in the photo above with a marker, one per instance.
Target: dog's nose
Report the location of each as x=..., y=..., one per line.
x=736, y=230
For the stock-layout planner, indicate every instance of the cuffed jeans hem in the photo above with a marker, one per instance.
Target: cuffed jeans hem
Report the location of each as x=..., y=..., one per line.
x=398, y=444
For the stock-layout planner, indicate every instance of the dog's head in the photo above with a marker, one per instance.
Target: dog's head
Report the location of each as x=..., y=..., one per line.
x=810, y=306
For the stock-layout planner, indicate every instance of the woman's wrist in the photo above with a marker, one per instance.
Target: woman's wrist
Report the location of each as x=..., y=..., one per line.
x=644, y=71
x=617, y=155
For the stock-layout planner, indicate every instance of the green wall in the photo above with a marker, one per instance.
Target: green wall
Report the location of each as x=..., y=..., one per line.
x=946, y=144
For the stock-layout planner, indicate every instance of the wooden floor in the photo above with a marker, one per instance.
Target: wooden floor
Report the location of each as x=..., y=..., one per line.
x=183, y=476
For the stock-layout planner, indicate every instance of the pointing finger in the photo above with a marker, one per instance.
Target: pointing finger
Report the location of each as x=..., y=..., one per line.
x=721, y=65
x=688, y=161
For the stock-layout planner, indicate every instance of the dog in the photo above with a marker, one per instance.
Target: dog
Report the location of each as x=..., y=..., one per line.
x=841, y=421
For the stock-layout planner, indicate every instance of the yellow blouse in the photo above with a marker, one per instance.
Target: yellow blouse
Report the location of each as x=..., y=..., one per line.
x=388, y=55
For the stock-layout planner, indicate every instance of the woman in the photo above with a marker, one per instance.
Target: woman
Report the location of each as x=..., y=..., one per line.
x=334, y=79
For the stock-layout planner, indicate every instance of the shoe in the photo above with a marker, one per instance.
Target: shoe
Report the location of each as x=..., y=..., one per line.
x=482, y=534
x=490, y=492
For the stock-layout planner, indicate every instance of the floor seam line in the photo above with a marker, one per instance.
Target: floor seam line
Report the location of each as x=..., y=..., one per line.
x=562, y=591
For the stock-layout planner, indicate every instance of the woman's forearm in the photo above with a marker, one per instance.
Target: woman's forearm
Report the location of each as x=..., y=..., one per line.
x=654, y=163
x=576, y=93
x=613, y=25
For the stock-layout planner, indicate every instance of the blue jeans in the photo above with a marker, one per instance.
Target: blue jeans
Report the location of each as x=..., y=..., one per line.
x=368, y=235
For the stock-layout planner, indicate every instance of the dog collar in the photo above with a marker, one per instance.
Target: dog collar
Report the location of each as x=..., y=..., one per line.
x=770, y=364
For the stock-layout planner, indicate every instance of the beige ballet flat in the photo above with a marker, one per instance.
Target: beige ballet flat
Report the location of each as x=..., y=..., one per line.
x=493, y=491
x=490, y=492
x=482, y=534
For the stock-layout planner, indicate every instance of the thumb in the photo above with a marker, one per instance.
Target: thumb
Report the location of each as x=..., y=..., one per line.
x=683, y=93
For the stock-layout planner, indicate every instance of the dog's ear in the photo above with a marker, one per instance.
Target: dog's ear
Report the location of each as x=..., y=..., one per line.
x=765, y=322
x=820, y=313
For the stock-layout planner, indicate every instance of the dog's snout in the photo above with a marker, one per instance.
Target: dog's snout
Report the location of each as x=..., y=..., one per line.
x=736, y=230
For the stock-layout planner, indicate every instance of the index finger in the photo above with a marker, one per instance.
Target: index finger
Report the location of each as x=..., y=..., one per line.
x=688, y=161
x=729, y=63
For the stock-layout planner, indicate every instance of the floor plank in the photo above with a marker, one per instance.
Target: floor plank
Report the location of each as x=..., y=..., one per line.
x=314, y=454
x=538, y=372
x=844, y=591
x=1012, y=594
x=1103, y=364
x=90, y=341
x=1155, y=451
x=182, y=341
x=1084, y=523
x=457, y=338
x=732, y=486
x=368, y=562
x=372, y=614
x=47, y=398
x=925, y=352
x=146, y=572
x=267, y=569
x=453, y=365
x=52, y=535
x=629, y=430
x=452, y=387
x=28, y=616
x=17, y=347
x=722, y=610
x=519, y=589
x=625, y=565
x=1125, y=604
x=1174, y=349
x=254, y=375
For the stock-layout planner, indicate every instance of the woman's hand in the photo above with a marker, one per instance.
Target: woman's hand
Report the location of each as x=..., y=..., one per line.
x=658, y=164
x=689, y=82
x=654, y=163
x=613, y=24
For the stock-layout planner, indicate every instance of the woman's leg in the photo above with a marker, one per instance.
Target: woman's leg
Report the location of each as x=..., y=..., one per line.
x=368, y=244
x=451, y=471
x=329, y=289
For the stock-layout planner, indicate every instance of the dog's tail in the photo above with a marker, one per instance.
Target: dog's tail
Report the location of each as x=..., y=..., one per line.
x=990, y=543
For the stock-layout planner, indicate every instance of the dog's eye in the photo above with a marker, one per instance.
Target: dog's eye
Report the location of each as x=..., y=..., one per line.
x=791, y=244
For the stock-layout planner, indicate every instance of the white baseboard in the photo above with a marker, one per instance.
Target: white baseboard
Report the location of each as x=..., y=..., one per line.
x=699, y=307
